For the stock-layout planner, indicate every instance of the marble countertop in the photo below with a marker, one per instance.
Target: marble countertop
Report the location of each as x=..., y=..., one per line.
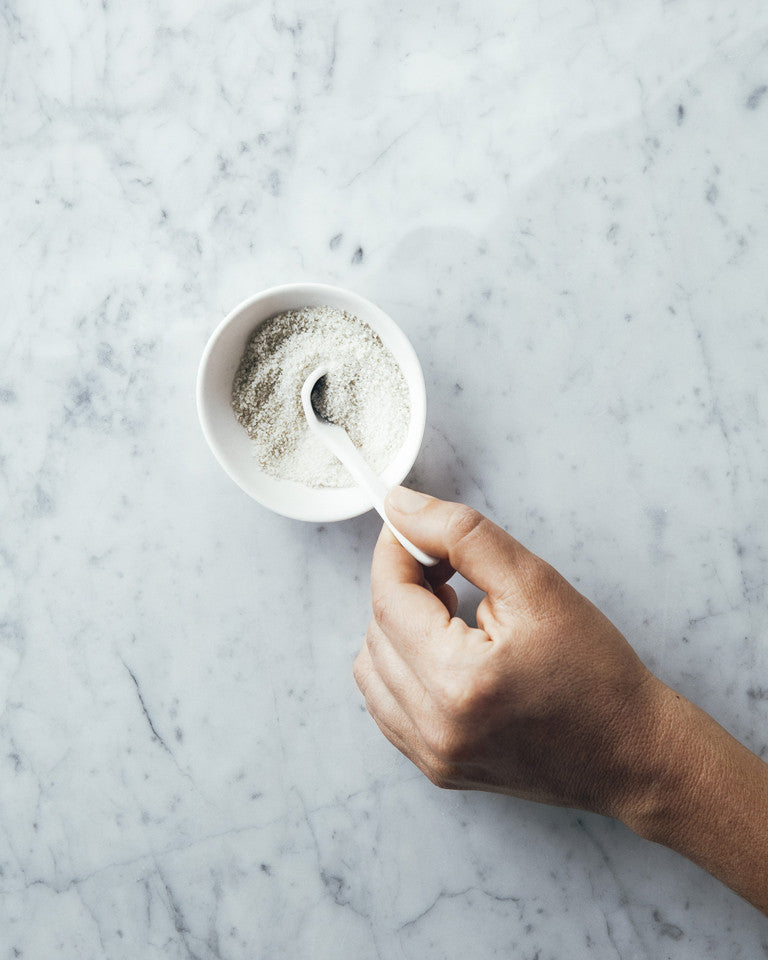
x=565, y=206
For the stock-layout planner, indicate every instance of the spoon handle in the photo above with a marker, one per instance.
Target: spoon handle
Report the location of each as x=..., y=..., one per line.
x=337, y=439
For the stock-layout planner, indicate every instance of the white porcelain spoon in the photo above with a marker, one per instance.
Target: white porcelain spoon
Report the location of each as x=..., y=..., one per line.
x=337, y=440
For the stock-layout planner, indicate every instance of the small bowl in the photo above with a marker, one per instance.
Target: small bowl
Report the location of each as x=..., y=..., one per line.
x=232, y=446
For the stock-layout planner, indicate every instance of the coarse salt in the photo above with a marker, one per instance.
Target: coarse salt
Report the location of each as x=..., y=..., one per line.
x=364, y=391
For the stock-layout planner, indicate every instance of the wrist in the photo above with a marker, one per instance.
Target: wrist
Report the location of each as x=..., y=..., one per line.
x=700, y=792
x=667, y=765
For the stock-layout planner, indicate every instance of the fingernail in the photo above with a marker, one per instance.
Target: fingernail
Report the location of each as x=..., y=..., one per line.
x=407, y=501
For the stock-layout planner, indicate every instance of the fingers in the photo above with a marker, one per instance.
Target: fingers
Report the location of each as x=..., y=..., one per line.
x=439, y=574
x=436, y=584
x=381, y=704
x=400, y=679
x=394, y=721
x=420, y=624
x=447, y=595
x=401, y=605
x=481, y=551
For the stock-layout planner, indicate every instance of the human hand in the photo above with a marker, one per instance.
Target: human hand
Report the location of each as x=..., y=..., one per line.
x=545, y=699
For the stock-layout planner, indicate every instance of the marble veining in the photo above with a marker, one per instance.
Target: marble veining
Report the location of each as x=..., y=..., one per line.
x=565, y=205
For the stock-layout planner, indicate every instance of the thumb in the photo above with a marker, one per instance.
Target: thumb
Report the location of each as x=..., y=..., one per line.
x=479, y=549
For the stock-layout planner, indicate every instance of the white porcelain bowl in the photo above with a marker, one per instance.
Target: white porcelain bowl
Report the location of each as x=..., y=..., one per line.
x=232, y=446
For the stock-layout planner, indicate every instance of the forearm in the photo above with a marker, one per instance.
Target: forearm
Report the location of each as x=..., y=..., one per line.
x=705, y=795
x=546, y=700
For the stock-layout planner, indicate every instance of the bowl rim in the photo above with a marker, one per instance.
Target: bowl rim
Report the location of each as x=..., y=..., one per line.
x=357, y=503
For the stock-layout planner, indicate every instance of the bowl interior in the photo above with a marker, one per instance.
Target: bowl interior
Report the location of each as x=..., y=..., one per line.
x=233, y=447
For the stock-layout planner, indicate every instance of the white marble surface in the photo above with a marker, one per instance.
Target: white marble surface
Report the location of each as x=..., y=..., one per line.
x=565, y=205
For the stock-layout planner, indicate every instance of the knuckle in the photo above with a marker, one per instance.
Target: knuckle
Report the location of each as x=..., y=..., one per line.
x=360, y=671
x=382, y=605
x=544, y=585
x=466, y=697
x=449, y=746
x=372, y=636
x=442, y=772
x=463, y=523
x=450, y=695
x=440, y=778
x=543, y=574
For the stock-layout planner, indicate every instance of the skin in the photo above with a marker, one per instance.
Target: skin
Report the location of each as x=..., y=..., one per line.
x=545, y=699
